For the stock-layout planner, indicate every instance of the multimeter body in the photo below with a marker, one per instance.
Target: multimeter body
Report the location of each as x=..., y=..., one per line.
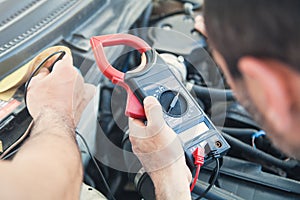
x=185, y=116
x=154, y=78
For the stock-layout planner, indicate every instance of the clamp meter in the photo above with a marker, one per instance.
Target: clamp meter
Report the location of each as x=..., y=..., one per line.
x=155, y=78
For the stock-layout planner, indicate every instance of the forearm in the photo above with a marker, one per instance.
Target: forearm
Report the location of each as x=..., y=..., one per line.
x=171, y=183
x=52, y=158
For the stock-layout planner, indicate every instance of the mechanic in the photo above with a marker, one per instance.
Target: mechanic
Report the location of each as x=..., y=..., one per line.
x=256, y=43
x=48, y=166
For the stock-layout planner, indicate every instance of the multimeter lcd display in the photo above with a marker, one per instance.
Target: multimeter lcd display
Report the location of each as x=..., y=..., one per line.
x=193, y=132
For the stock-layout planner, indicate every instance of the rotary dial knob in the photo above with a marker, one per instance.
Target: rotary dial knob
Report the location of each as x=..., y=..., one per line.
x=173, y=103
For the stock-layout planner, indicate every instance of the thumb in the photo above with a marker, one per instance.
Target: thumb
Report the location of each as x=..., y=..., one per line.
x=154, y=114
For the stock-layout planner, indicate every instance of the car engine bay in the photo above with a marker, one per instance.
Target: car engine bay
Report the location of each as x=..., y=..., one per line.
x=251, y=169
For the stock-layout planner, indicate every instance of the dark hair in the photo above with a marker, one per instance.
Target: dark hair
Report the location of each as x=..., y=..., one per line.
x=260, y=28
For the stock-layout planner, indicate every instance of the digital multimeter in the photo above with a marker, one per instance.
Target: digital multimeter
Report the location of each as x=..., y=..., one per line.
x=155, y=78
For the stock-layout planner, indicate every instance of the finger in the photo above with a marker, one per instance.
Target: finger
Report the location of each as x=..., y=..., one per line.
x=200, y=25
x=134, y=144
x=45, y=53
x=42, y=73
x=136, y=128
x=37, y=78
x=78, y=83
x=88, y=93
x=154, y=114
x=66, y=63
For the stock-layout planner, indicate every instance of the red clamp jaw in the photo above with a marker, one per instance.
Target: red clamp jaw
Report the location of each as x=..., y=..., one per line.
x=134, y=108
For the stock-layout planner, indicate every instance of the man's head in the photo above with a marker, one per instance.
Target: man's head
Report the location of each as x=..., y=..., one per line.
x=257, y=44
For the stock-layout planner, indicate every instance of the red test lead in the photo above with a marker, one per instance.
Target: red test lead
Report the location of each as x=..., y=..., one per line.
x=198, y=155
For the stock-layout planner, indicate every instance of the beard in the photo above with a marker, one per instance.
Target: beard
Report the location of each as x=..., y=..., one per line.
x=279, y=140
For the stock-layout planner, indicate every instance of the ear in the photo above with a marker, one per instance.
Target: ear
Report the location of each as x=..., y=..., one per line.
x=268, y=89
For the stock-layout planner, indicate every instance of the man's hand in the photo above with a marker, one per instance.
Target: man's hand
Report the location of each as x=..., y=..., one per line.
x=160, y=151
x=62, y=91
x=48, y=165
x=199, y=25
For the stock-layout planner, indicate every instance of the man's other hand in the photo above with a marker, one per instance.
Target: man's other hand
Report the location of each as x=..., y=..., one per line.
x=62, y=91
x=160, y=151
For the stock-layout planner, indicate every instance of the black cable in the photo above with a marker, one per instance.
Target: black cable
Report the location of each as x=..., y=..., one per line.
x=97, y=166
x=238, y=132
x=62, y=53
x=217, y=183
x=11, y=154
x=260, y=156
x=213, y=178
x=213, y=93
